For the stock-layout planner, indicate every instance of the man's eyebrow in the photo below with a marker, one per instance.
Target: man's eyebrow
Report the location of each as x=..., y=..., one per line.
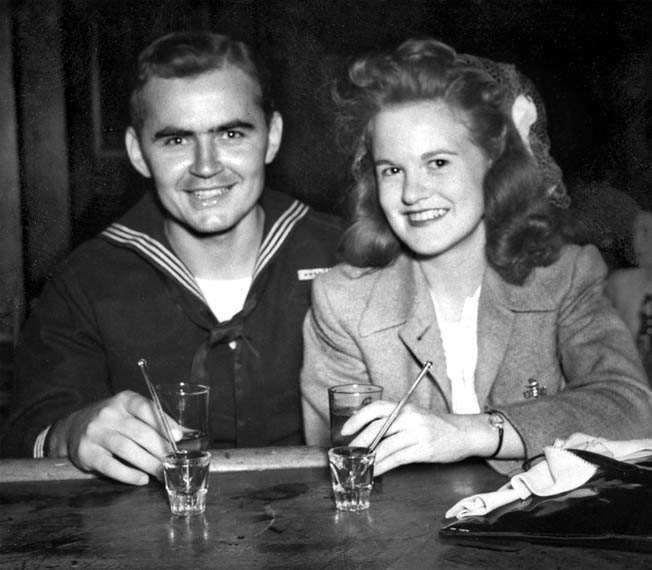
x=233, y=125
x=167, y=132
x=172, y=132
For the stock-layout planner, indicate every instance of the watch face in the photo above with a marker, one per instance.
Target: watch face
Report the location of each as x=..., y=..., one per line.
x=496, y=420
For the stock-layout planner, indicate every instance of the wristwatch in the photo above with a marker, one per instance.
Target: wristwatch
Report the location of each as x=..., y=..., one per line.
x=496, y=420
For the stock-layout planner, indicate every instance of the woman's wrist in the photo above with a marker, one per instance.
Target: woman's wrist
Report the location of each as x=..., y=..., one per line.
x=478, y=438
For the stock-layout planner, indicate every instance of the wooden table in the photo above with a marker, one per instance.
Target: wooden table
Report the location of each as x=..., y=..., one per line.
x=267, y=508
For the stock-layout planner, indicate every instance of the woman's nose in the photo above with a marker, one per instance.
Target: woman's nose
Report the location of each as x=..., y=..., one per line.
x=415, y=189
x=207, y=161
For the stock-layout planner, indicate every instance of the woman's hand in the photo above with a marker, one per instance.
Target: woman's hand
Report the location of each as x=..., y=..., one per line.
x=419, y=436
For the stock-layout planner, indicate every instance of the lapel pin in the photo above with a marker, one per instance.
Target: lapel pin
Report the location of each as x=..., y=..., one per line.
x=534, y=389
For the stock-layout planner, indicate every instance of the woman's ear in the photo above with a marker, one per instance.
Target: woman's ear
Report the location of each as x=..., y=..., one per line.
x=524, y=115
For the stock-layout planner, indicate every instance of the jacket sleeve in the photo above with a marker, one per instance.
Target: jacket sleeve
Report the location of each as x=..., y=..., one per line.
x=331, y=357
x=606, y=392
x=60, y=364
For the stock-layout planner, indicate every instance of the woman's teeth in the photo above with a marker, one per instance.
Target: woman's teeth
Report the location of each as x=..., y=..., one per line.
x=426, y=215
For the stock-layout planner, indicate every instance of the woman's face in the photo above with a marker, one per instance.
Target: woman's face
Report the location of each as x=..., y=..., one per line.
x=430, y=178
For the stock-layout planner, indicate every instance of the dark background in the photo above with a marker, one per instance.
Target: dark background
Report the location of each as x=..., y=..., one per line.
x=64, y=68
x=590, y=59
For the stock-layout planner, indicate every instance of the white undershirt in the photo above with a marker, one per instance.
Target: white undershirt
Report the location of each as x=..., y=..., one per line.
x=460, y=341
x=225, y=297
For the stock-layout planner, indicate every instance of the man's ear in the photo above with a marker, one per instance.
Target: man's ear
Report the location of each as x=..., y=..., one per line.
x=274, y=136
x=135, y=153
x=524, y=115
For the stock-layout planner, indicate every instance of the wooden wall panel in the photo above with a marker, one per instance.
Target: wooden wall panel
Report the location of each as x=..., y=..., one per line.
x=11, y=238
x=44, y=144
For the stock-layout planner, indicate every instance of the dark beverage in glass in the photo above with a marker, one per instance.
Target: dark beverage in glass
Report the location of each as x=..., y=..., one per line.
x=346, y=400
x=338, y=418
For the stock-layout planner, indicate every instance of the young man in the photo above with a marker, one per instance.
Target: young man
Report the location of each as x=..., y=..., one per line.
x=207, y=278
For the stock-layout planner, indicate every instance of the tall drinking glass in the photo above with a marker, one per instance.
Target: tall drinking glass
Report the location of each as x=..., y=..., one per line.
x=344, y=401
x=187, y=404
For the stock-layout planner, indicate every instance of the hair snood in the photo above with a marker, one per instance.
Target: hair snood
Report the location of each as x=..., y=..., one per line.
x=522, y=231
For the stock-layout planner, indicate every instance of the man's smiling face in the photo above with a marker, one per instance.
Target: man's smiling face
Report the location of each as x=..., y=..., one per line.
x=205, y=142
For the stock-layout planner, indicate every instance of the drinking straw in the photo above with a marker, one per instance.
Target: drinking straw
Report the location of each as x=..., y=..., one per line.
x=143, y=366
x=390, y=419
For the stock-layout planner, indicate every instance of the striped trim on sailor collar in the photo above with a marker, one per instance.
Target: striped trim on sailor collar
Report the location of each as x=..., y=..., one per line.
x=171, y=264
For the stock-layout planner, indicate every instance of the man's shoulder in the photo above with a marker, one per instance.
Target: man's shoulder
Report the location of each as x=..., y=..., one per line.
x=281, y=207
x=298, y=237
x=318, y=224
x=106, y=252
x=91, y=250
x=96, y=259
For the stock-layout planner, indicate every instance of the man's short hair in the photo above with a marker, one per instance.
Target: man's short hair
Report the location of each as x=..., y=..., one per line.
x=191, y=53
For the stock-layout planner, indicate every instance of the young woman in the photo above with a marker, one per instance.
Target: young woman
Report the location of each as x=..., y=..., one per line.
x=456, y=255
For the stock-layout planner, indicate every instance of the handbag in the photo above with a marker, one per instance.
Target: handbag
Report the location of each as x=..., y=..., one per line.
x=613, y=510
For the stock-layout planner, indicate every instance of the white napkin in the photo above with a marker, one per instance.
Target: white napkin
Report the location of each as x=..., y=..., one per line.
x=561, y=471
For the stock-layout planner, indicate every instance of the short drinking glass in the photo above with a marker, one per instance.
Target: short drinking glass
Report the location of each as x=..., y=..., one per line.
x=186, y=481
x=352, y=474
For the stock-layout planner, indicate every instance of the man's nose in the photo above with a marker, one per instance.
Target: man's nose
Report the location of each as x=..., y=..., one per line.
x=207, y=161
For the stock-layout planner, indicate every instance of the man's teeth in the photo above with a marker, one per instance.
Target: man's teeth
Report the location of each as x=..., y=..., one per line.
x=210, y=193
x=426, y=215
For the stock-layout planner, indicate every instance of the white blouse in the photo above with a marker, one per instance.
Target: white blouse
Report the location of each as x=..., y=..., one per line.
x=460, y=341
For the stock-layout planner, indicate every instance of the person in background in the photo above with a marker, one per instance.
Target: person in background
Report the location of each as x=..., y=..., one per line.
x=627, y=287
x=456, y=254
x=208, y=278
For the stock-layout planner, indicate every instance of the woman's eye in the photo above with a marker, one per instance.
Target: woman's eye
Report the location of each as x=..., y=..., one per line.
x=390, y=171
x=438, y=162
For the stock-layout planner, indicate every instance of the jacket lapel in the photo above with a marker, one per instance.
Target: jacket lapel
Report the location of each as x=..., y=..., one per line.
x=400, y=299
x=495, y=322
x=499, y=304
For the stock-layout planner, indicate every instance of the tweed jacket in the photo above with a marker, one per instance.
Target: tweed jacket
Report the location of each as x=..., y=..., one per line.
x=380, y=326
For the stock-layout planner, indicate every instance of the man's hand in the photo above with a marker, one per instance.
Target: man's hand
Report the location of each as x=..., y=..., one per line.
x=120, y=437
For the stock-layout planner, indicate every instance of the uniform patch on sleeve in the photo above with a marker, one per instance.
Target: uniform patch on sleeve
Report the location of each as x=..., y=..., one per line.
x=310, y=274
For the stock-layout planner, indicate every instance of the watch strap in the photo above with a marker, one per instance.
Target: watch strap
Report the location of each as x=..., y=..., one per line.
x=497, y=421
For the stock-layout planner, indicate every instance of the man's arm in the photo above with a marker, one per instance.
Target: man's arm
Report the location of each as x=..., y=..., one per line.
x=117, y=437
x=62, y=381
x=59, y=367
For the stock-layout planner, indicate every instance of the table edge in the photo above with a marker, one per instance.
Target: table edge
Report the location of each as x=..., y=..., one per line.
x=224, y=460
